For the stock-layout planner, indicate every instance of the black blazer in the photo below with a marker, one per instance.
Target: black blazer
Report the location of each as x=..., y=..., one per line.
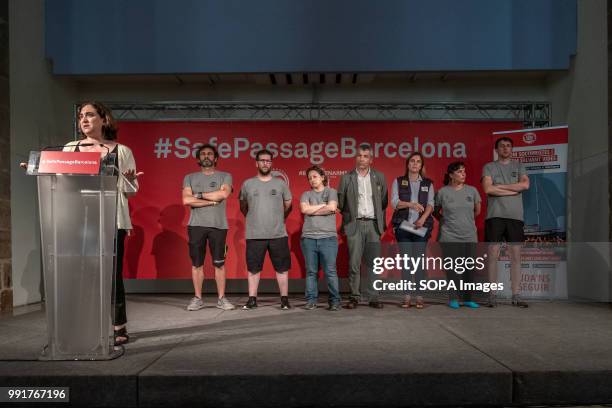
x=348, y=194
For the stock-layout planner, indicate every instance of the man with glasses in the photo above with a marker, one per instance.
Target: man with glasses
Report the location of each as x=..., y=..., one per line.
x=265, y=201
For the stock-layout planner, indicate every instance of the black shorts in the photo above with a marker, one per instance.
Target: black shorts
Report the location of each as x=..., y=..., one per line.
x=197, y=245
x=279, y=254
x=504, y=229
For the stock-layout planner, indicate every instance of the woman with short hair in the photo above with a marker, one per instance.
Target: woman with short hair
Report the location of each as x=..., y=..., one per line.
x=98, y=132
x=319, y=237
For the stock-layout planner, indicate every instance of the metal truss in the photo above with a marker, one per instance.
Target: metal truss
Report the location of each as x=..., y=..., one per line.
x=532, y=114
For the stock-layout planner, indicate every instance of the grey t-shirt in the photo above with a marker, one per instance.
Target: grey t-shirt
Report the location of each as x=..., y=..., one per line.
x=209, y=216
x=266, y=216
x=458, y=223
x=507, y=206
x=319, y=226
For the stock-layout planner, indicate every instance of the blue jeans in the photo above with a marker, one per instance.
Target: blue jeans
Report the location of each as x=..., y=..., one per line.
x=322, y=251
x=414, y=246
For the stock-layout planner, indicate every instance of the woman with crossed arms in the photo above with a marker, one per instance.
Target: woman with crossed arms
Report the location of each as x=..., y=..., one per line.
x=319, y=237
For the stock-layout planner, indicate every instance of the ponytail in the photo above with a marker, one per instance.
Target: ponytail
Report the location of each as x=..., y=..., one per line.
x=453, y=167
x=447, y=179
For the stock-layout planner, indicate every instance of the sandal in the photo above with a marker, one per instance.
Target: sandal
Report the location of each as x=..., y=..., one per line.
x=420, y=303
x=406, y=303
x=121, y=334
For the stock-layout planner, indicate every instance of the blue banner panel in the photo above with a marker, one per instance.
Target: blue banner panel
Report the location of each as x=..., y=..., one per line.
x=233, y=36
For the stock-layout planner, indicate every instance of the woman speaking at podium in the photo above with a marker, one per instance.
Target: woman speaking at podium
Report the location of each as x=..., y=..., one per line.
x=99, y=134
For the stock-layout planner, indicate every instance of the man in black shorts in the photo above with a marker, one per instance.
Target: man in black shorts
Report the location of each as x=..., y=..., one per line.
x=266, y=201
x=503, y=181
x=205, y=193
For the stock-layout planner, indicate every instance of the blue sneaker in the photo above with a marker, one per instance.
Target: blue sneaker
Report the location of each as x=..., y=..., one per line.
x=471, y=304
x=453, y=304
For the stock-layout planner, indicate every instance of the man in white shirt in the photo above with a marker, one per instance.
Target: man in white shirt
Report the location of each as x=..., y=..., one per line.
x=362, y=200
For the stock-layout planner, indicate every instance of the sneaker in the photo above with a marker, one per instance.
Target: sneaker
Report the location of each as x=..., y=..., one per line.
x=334, y=307
x=225, y=304
x=453, y=304
x=251, y=303
x=406, y=302
x=376, y=304
x=195, y=303
x=518, y=302
x=310, y=306
x=471, y=304
x=420, y=302
x=492, y=302
x=352, y=304
x=285, y=303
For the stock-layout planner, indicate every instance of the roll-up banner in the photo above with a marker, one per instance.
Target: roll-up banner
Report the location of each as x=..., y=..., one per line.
x=165, y=152
x=543, y=152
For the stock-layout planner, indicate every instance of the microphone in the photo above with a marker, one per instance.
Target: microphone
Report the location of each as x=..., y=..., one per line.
x=108, y=161
x=104, y=146
x=62, y=146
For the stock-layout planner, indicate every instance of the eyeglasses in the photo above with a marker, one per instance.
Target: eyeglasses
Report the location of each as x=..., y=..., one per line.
x=264, y=161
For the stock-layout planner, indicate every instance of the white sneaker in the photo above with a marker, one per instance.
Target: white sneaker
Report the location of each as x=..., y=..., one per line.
x=225, y=304
x=195, y=304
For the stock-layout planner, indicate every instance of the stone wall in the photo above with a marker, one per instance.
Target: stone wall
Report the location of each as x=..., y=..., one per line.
x=609, y=9
x=6, y=284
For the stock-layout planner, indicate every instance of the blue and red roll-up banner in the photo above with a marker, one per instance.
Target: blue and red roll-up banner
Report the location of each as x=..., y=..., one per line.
x=543, y=151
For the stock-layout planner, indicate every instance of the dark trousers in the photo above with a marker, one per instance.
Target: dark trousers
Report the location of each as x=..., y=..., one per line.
x=414, y=246
x=458, y=250
x=119, y=314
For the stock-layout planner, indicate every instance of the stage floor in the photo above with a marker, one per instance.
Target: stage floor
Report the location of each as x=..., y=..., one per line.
x=550, y=353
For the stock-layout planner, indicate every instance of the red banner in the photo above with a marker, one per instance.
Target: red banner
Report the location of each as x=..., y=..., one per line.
x=164, y=151
x=69, y=162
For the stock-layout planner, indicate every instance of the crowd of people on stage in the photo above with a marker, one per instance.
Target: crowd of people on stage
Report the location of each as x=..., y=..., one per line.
x=361, y=199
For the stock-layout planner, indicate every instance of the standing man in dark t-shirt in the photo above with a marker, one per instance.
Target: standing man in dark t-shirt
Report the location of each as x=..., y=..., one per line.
x=504, y=181
x=205, y=192
x=265, y=201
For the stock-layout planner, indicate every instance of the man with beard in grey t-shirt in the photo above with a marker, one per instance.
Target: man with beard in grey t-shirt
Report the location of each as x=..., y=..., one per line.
x=205, y=193
x=265, y=201
x=504, y=181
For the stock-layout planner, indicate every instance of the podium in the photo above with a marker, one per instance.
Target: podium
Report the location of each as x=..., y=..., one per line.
x=78, y=210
